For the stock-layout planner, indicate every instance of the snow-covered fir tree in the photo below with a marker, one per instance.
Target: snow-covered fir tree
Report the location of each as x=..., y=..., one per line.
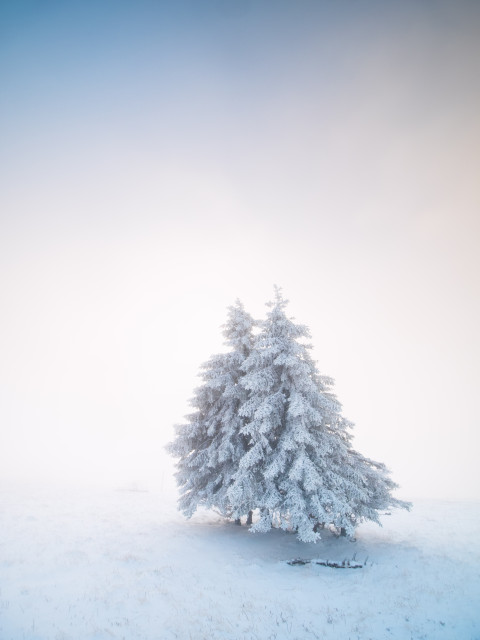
x=211, y=443
x=268, y=434
x=299, y=469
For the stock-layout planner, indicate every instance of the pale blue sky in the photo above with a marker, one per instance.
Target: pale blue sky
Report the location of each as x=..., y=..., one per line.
x=160, y=159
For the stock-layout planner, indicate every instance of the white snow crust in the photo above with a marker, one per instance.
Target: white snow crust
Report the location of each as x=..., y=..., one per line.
x=104, y=564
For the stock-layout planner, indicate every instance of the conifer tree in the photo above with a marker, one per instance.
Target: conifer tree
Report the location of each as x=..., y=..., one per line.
x=267, y=433
x=299, y=467
x=211, y=443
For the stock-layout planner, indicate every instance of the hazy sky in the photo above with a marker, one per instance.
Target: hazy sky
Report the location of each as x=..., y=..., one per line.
x=161, y=159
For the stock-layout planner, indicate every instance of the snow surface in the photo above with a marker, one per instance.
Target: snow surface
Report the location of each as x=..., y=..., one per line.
x=100, y=564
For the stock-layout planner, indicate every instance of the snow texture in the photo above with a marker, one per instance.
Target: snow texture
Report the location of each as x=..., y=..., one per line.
x=125, y=565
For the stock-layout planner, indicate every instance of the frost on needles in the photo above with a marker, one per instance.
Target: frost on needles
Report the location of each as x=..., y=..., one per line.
x=267, y=434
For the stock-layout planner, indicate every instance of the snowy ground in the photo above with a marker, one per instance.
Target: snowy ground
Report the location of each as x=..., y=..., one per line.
x=97, y=565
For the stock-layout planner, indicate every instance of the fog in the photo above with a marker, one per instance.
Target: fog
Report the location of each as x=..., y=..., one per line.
x=159, y=160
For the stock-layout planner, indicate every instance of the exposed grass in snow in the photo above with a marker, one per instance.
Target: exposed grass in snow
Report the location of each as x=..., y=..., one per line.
x=97, y=565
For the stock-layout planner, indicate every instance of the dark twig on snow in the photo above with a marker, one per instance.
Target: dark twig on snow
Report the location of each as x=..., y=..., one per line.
x=345, y=564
